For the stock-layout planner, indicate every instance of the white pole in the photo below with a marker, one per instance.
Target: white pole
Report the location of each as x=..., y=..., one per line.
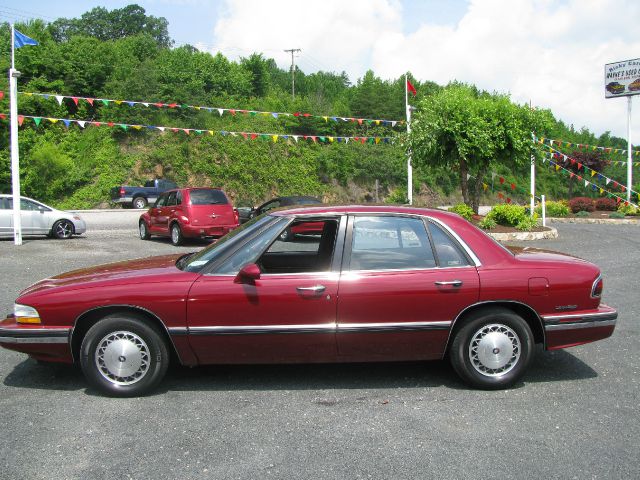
x=15, y=158
x=533, y=184
x=544, y=211
x=629, y=174
x=409, y=168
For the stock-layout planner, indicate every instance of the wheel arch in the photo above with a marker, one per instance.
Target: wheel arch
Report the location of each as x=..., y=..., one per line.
x=89, y=318
x=527, y=313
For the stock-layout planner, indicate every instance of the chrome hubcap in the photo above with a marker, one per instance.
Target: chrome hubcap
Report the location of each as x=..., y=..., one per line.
x=122, y=358
x=175, y=234
x=494, y=350
x=143, y=230
x=64, y=230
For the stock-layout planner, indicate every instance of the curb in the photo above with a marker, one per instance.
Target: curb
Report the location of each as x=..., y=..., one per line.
x=511, y=236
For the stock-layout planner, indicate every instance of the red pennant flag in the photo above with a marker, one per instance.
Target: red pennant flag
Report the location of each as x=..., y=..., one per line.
x=244, y=135
x=254, y=136
x=89, y=101
x=296, y=114
x=20, y=120
x=513, y=186
x=359, y=121
x=159, y=105
x=508, y=200
x=571, y=175
x=172, y=105
x=624, y=189
x=2, y=116
x=573, y=162
x=111, y=124
x=501, y=180
x=618, y=200
x=1, y=94
x=411, y=88
x=232, y=111
x=97, y=124
x=75, y=100
x=186, y=130
x=626, y=204
x=579, y=178
x=500, y=195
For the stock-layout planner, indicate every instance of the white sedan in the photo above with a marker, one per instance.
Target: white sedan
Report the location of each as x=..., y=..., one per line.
x=39, y=219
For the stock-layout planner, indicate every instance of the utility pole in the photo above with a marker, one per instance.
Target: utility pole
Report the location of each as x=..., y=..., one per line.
x=293, y=71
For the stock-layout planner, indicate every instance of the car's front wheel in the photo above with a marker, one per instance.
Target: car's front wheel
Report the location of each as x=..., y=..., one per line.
x=62, y=229
x=176, y=235
x=143, y=230
x=124, y=356
x=492, y=350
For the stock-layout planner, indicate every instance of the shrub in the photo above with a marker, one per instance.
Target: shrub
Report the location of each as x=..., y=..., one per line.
x=616, y=215
x=487, y=223
x=606, y=204
x=554, y=209
x=627, y=209
x=528, y=223
x=581, y=203
x=507, y=215
x=582, y=214
x=464, y=210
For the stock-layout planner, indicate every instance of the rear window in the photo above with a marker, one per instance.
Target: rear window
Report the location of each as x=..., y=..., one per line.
x=208, y=197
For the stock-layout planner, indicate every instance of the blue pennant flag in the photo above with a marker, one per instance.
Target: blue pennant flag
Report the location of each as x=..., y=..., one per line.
x=20, y=39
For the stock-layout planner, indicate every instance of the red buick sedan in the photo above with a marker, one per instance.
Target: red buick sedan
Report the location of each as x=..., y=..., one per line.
x=378, y=284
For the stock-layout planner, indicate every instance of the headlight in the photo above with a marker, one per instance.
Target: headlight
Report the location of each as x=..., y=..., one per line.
x=25, y=314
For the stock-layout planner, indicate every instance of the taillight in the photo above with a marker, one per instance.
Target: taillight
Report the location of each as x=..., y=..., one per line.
x=236, y=215
x=596, y=290
x=122, y=191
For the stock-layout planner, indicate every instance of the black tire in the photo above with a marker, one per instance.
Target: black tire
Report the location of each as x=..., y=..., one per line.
x=492, y=350
x=139, y=203
x=143, y=230
x=176, y=235
x=104, y=352
x=62, y=229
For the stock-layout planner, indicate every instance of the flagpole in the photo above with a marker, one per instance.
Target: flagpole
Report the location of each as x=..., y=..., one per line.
x=409, y=167
x=15, y=162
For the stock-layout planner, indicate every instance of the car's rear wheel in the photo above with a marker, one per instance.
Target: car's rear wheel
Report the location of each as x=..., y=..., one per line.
x=124, y=356
x=62, y=229
x=139, y=203
x=176, y=235
x=492, y=350
x=143, y=230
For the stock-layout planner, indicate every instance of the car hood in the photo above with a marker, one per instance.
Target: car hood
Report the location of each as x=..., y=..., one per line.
x=152, y=269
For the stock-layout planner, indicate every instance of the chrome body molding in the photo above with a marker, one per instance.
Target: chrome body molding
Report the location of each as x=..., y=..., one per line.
x=579, y=320
x=34, y=335
x=178, y=330
x=319, y=328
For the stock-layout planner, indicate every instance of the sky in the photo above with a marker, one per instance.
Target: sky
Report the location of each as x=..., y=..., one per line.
x=544, y=52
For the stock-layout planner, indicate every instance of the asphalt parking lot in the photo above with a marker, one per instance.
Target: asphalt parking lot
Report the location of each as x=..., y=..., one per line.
x=575, y=415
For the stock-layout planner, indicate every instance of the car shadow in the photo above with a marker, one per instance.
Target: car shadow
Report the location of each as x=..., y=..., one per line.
x=546, y=367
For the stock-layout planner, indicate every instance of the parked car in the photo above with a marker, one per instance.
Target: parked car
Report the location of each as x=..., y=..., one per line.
x=189, y=213
x=615, y=88
x=140, y=197
x=39, y=219
x=278, y=202
x=415, y=284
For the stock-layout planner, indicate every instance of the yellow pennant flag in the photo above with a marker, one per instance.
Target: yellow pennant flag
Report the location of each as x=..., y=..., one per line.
x=593, y=173
x=326, y=119
x=53, y=120
x=601, y=190
x=118, y=102
x=557, y=167
x=377, y=140
x=275, y=138
x=137, y=127
x=330, y=139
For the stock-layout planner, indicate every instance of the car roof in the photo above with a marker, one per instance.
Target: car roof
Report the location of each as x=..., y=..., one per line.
x=345, y=209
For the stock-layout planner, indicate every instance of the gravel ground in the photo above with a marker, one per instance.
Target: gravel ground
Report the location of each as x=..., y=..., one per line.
x=575, y=415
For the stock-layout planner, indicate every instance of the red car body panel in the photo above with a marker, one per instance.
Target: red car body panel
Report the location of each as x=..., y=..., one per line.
x=357, y=316
x=195, y=220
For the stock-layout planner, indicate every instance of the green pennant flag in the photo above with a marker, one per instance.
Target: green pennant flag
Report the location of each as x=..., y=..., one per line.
x=253, y=114
x=264, y=137
x=106, y=102
x=323, y=139
x=37, y=121
x=124, y=127
x=184, y=105
x=199, y=132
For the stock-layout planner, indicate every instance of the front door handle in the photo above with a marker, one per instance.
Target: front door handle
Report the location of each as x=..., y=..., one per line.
x=315, y=289
x=453, y=283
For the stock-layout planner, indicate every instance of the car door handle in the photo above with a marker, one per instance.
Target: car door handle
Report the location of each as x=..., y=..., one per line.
x=314, y=289
x=453, y=283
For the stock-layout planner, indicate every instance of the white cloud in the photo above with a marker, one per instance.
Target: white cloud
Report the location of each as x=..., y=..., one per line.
x=547, y=52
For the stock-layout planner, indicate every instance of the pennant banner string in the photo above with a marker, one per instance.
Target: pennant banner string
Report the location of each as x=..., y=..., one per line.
x=247, y=135
x=219, y=110
x=582, y=146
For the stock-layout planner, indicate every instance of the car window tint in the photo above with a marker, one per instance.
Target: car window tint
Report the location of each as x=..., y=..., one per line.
x=28, y=205
x=171, y=199
x=390, y=243
x=269, y=206
x=179, y=197
x=447, y=249
x=207, y=197
x=304, y=246
x=162, y=200
x=4, y=204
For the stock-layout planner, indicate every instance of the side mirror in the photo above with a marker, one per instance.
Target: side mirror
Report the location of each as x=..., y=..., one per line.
x=248, y=274
x=42, y=209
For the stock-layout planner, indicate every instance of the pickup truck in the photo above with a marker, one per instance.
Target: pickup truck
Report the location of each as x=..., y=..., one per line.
x=140, y=197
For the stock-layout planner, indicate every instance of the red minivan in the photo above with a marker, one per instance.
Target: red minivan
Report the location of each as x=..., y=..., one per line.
x=189, y=213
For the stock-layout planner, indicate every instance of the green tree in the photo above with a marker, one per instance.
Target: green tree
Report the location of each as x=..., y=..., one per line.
x=467, y=130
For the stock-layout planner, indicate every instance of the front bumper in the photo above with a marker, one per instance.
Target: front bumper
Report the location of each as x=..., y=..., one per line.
x=576, y=328
x=46, y=343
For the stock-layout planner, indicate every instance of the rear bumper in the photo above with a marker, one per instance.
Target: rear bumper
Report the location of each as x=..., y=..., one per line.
x=192, y=231
x=570, y=329
x=47, y=343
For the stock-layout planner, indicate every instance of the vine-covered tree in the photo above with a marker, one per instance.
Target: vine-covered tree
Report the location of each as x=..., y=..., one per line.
x=464, y=129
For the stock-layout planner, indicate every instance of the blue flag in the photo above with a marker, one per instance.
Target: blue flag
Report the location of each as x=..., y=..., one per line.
x=20, y=39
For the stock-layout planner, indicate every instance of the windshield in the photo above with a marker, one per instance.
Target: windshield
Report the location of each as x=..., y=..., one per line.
x=195, y=262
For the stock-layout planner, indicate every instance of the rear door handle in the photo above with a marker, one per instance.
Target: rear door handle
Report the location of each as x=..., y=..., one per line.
x=453, y=283
x=314, y=289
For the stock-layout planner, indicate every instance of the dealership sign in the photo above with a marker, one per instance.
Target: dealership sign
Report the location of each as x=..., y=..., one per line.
x=622, y=78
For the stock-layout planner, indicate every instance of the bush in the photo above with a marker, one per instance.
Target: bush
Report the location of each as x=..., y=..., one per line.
x=582, y=214
x=487, y=223
x=464, y=210
x=554, y=209
x=528, y=223
x=606, y=204
x=507, y=215
x=578, y=204
x=616, y=215
x=627, y=209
